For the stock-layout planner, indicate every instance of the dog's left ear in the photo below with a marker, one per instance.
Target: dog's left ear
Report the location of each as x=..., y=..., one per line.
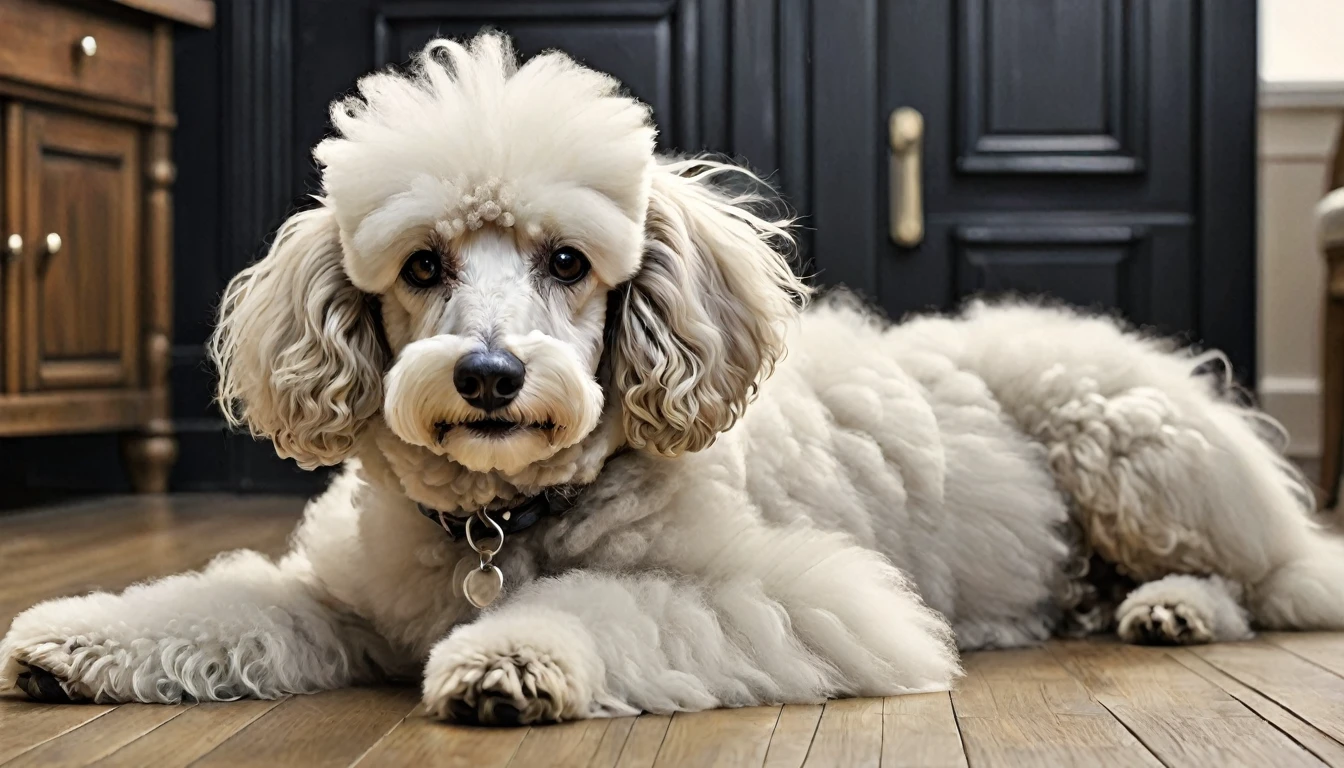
x=704, y=319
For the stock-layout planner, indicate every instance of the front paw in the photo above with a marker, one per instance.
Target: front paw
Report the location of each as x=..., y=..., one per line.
x=487, y=673
x=522, y=688
x=53, y=654
x=45, y=671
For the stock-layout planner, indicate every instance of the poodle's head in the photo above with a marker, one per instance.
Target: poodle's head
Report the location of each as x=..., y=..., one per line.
x=496, y=254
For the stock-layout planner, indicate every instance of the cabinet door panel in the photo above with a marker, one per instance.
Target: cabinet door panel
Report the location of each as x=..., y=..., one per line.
x=80, y=313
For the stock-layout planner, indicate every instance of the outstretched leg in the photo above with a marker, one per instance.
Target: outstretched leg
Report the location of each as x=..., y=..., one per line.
x=243, y=627
x=589, y=644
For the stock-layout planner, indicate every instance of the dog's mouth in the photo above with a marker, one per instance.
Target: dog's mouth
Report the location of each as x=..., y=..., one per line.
x=493, y=428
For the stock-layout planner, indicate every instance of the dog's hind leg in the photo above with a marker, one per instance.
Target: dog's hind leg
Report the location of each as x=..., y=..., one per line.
x=243, y=627
x=1183, y=610
x=1165, y=474
x=1133, y=477
x=1166, y=480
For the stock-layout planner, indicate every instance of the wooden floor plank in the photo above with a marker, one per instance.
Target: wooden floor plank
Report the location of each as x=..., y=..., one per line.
x=69, y=535
x=727, y=737
x=1324, y=649
x=149, y=554
x=334, y=728
x=1021, y=708
x=1178, y=715
x=645, y=739
x=25, y=725
x=566, y=745
x=1327, y=749
x=418, y=741
x=187, y=737
x=848, y=736
x=55, y=531
x=99, y=738
x=792, y=736
x=613, y=741
x=920, y=731
x=1294, y=683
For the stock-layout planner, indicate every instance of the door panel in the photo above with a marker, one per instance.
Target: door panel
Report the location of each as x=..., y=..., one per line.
x=1051, y=87
x=1142, y=271
x=80, y=314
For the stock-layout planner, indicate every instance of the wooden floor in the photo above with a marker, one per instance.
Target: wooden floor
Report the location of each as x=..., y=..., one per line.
x=1277, y=701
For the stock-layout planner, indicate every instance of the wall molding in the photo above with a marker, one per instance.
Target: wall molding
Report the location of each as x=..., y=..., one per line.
x=1295, y=401
x=1285, y=94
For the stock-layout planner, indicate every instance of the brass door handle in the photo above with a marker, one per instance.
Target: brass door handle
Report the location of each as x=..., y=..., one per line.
x=905, y=219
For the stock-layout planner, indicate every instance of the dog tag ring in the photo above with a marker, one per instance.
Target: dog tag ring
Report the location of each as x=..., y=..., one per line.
x=483, y=585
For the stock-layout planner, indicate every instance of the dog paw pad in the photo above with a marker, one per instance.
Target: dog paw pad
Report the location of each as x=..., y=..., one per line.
x=41, y=685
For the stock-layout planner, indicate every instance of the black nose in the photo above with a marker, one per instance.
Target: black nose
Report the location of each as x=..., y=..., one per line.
x=489, y=379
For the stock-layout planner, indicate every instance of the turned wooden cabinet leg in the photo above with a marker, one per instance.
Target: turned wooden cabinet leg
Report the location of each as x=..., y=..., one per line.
x=149, y=459
x=150, y=453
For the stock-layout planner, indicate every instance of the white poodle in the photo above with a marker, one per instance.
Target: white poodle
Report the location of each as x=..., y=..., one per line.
x=515, y=324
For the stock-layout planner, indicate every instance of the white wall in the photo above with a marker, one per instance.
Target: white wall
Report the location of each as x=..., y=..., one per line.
x=1301, y=110
x=1301, y=40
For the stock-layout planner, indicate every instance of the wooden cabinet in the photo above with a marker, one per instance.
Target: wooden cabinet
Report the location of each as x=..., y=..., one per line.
x=85, y=221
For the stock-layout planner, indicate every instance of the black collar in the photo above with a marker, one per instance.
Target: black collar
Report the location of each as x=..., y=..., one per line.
x=514, y=519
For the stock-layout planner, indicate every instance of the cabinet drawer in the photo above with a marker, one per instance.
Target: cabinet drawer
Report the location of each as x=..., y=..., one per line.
x=40, y=43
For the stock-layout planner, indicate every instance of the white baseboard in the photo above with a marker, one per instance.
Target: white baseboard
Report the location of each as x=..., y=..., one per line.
x=1296, y=402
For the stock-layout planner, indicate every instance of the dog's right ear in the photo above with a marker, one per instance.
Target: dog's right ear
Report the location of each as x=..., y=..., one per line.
x=299, y=353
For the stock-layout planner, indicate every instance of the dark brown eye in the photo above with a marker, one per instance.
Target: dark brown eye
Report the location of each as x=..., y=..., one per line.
x=568, y=265
x=422, y=269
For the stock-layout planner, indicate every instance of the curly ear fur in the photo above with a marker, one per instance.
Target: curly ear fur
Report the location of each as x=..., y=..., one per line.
x=298, y=351
x=705, y=317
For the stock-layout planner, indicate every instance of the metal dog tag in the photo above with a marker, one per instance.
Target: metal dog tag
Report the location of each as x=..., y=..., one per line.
x=482, y=585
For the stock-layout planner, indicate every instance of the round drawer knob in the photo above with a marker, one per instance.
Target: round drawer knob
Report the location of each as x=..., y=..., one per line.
x=53, y=244
x=13, y=247
x=88, y=46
